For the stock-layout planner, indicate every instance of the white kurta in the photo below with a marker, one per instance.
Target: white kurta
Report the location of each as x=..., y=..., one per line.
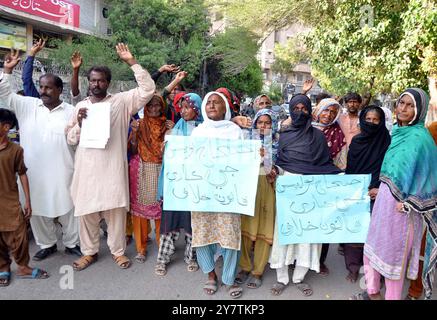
x=100, y=180
x=305, y=255
x=47, y=155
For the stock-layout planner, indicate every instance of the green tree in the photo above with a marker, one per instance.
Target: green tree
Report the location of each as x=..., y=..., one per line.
x=362, y=45
x=162, y=31
x=249, y=81
x=232, y=62
x=289, y=55
x=94, y=51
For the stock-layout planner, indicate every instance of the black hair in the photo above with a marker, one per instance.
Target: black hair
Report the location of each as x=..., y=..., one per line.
x=375, y=108
x=101, y=69
x=8, y=117
x=21, y=93
x=352, y=96
x=56, y=80
x=321, y=96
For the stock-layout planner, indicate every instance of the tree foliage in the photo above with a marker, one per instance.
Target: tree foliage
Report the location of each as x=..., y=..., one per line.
x=162, y=31
x=362, y=45
x=289, y=55
x=232, y=62
x=94, y=51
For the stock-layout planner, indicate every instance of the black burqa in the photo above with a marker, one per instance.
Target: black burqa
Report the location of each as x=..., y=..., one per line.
x=302, y=148
x=367, y=149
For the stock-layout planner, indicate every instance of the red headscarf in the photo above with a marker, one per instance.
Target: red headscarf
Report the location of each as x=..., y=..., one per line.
x=229, y=96
x=176, y=100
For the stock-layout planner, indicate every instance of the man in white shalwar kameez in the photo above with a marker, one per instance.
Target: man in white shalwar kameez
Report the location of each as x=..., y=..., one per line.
x=100, y=187
x=50, y=160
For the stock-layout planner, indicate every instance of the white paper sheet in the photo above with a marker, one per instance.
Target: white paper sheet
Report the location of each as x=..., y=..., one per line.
x=96, y=127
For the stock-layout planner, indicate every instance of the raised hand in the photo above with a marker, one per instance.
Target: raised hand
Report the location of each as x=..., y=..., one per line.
x=170, y=68
x=11, y=61
x=125, y=54
x=37, y=47
x=76, y=60
x=307, y=85
x=181, y=75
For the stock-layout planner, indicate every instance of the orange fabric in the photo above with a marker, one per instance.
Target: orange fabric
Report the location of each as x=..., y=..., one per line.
x=416, y=286
x=433, y=130
x=150, y=135
x=141, y=228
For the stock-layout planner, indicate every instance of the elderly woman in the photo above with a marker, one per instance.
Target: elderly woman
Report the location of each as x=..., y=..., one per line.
x=365, y=155
x=173, y=222
x=326, y=119
x=262, y=102
x=302, y=150
x=213, y=229
x=327, y=114
x=407, y=194
x=257, y=231
x=146, y=141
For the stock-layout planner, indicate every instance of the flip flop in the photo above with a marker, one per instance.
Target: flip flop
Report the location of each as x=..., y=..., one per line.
x=360, y=296
x=277, y=288
x=305, y=288
x=241, y=277
x=254, y=283
x=36, y=274
x=235, y=291
x=211, y=285
x=6, y=277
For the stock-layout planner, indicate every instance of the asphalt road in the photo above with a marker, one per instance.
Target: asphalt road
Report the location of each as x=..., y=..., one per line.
x=105, y=280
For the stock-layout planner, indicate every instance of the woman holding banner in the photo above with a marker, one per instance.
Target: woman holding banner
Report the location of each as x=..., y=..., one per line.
x=365, y=155
x=259, y=229
x=213, y=229
x=326, y=119
x=172, y=222
x=407, y=196
x=302, y=150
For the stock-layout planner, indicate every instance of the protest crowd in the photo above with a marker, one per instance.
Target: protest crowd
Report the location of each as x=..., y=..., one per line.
x=99, y=163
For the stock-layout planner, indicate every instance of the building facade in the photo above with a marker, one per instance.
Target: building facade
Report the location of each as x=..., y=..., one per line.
x=292, y=82
x=24, y=21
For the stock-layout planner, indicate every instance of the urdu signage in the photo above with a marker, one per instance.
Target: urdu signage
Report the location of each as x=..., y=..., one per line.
x=60, y=11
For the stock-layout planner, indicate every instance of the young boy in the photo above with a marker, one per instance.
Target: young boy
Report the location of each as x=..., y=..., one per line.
x=13, y=230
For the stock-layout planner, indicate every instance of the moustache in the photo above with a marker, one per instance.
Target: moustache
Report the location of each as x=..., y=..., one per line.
x=45, y=96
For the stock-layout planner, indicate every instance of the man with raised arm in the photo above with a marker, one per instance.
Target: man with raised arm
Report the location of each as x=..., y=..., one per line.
x=100, y=187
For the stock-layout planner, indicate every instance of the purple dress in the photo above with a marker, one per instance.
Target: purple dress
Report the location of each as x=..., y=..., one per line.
x=386, y=244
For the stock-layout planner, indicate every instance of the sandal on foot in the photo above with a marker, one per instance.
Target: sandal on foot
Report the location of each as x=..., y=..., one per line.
x=140, y=258
x=410, y=297
x=242, y=277
x=277, y=288
x=210, y=287
x=192, y=266
x=161, y=269
x=122, y=261
x=36, y=274
x=305, y=288
x=324, y=271
x=360, y=296
x=352, y=277
x=235, y=291
x=5, y=278
x=84, y=262
x=254, y=282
